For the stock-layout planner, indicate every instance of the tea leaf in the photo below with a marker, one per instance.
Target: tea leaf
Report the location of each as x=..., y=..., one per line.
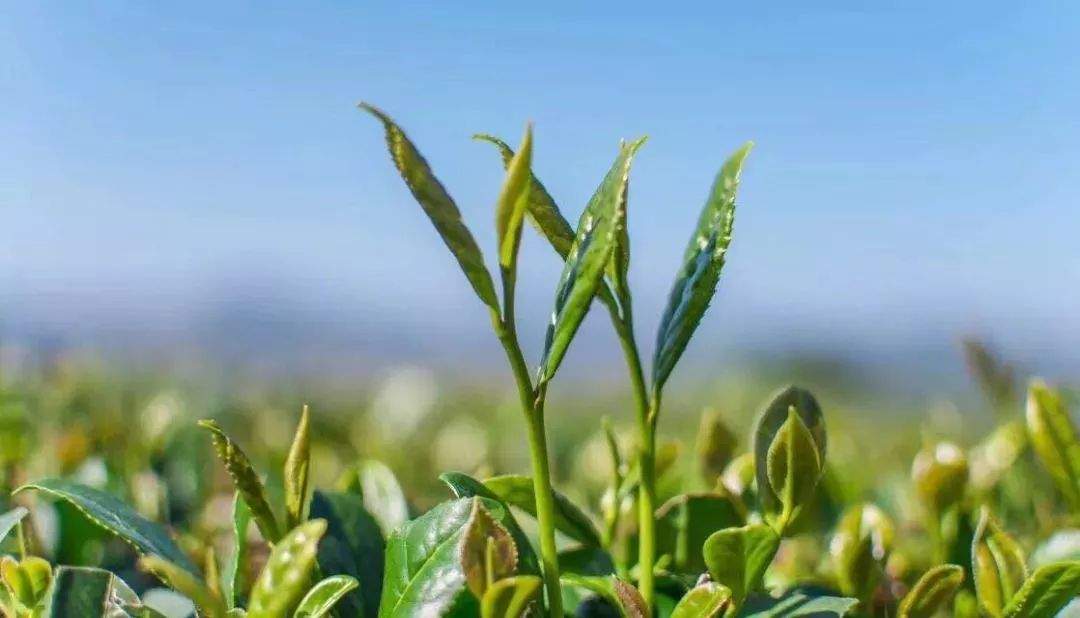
x=79, y=592
x=1046, y=592
x=738, y=557
x=940, y=475
x=633, y=604
x=510, y=597
x=488, y=553
x=1054, y=438
x=424, y=576
x=695, y=284
x=284, y=579
x=352, y=545
x=859, y=549
x=241, y=520
x=9, y=520
x=320, y=600
x=571, y=520
x=997, y=563
x=797, y=605
x=439, y=207
x=685, y=522
x=934, y=590
x=114, y=516
x=382, y=494
x=615, y=591
x=465, y=486
x=705, y=600
x=513, y=202
x=715, y=447
x=185, y=583
x=297, y=465
x=996, y=379
x=245, y=479
x=586, y=560
x=587, y=260
x=789, y=453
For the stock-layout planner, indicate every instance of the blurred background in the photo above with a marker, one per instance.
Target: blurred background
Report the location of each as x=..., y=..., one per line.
x=190, y=197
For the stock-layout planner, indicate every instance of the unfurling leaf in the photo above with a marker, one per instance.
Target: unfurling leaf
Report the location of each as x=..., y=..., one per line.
x=796, y=605
x=997, y=564
x=297, y=466
x=465, y=486
x=115, y=517
x=695, y=283
x=233, y=585
x=513, y=202
x=940, y=476
x=1054, y=439
x=1046, y=592
x=789, y=453
x=859, y=548
x=245, y=479
x=570, y=519
x=27, y=580
x=738, y=557
x=934, y=590
x=488, y=553
x=318, y=602
x=587, y=260
x=185, y=583
x=439, y=207
x=382, y=495
x=352, y=545
x=510, y=597
x=707, y=600
x=284, y=579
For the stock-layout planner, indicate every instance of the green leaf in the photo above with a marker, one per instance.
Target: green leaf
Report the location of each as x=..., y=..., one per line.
x=465, y=486
x=859, y=549
x=80, y=592
x=116, y=517
x=586, y=560
x=940, y=475
x=1054, y=438
x=997, y=563
x=933, y=592
x=571, y=520
x=297, y=465
x=9, y=520
x=324, y=595
x=586, y=261
x=424, y=576
x=510, y=597
x=353, y=545
x=615, y=591
x=686, y=521
x=28, y=580
x=798, y=605
x=633, y=604
x=488, y=553
x=383, y=496
x=185, y=583
x=738, y=557
x=245, y=479
x=715, y=447
x=1046, y=592
x=695, y=283
x=705, y=600
x=513, y=202
x=284, y=579
x=439, y=207
x=789, y=453
x=234, y=572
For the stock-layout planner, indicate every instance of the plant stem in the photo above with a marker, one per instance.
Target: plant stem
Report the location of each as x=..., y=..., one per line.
x=532, y=404
x=646, y=417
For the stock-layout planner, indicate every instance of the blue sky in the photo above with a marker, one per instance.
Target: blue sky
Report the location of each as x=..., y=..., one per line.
x=915, y=176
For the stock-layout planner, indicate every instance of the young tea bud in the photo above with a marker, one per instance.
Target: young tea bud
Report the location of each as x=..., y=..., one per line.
x=940, y=475
x=859, y=547
x=789, y=454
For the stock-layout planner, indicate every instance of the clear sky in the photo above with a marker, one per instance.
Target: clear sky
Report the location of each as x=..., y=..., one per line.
x=916, y=175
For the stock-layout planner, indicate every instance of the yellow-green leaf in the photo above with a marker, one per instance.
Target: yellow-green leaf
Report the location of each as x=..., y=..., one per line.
x=318, y=602
x=297, y=465
x=245, y=479
x=859, y=548
x=284, y=579
x=513, y=202
x=997, y=563
x=510, y=597
x=1046, y=592
x=706, y=600
x=488, y=553
x=186, y=584
x=739, y=557
x=1054, y=438
x=932, y=593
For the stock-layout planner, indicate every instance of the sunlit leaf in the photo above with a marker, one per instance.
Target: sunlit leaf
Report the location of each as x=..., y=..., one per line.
x=234, y=572
x=9, y=520
x=570, y=519
x=1054, y=438
x=1046, y=592
x=245, y=479
x=297, y=466
x=284, y=579
x=320, y=600
x=465, y=486
x=185, y=583
x=488, y=553
x=932, y=593
x=789, y=453
x=997, y=564
x=859, y=547
x=513, y=202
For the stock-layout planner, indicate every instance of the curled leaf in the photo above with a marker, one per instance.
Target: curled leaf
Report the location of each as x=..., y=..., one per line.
x=185, y=583
x=932, y=593
x=1046, y=592
x=789, y=453
x=570, y=519
x=513, y=202
x=510, y=597
x=297, y=465
x=1054, y=438
x=997, y=563
x=322, y=597
x=738, y=557
x=706, y=600
x=940, y=475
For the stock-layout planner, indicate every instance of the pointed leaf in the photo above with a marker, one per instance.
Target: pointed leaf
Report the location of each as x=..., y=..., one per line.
x=353, y=545
x=465, y=486
x=705, y=600
x=933, y=592
x=324, y=595
x=633, y=604
x=797, y=605
x=9, y=520
x=185, y=583
x=284, y=578
x=997, y=563
x=1046, y=592
x=382, y=494
x=695, y=284
x=859, y=549
x=510, y=597
x=297, y=465
x=773, y=445
x=80, y=592
x=234, y=571
x=513, y=202
x=738, y=557
x=116, y=517
x=488, y=553
x=517, y=490
x=594, y=242
x=439, y=207
x=245, y=479
x=1054, y=438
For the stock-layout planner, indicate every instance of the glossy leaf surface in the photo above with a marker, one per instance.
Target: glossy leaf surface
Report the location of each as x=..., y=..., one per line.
x=320, y=600
x=570, y=519
x=738, y=557
x=284, y=578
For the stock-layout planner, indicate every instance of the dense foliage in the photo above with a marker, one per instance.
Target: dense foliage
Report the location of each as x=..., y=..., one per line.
x=782, y=528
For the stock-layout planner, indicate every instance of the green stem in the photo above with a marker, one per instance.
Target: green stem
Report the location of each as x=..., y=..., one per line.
x=532, y=404
x=646, y=417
